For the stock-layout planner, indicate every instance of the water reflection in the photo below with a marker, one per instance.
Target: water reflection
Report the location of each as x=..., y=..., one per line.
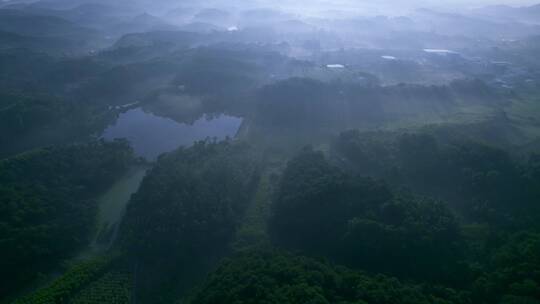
x=152, y=135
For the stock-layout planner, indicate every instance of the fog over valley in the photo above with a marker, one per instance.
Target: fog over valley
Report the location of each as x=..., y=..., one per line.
x=291, y=152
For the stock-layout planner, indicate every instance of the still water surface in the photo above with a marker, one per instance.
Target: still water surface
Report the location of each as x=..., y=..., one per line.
x=151, y=135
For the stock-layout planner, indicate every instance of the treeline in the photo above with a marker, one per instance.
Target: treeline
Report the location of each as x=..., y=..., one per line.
x=379, y=205
x=177, y=226
x=271, y=276
x=69, y=283
x=323, y=211
x=101, y=279
x=367, y=207
x=493, y=195
x=304, y=103
x=235, y=71
x=32, y=120
x=48, y=206
x=485, y=183
x=186, y=213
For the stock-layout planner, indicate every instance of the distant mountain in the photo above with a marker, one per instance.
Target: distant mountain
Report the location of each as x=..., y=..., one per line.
x=110, y=18
x=142, y=23
x=201, y=27
x=48, y=45
x=264, y=15
x=472, y=25
x=138, y=40
x=10, y=5
x=97, y=15
x=91, y=15
x=57, y=4
x=10, y=40
x=180, y=15
x=212, y=13
x=294, y=26
x=22, y=23
x=528, y=14
x=147, y=20
x=20, y=29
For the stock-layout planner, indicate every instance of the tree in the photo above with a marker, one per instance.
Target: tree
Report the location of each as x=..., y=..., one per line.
x=320, y=210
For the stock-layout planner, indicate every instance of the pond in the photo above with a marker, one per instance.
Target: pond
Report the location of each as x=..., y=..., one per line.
x=335, y=66
x=440, y=51
x=151, y=135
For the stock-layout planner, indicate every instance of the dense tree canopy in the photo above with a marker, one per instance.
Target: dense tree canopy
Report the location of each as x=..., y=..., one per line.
x=47, y=204
x=320, y=209
x=512, y=272
x=277, y=277
x=186, y=213
x=191, y=201
x=483, y=182
x=495, y=195
x=315, y=105
x=32, y=120
x=432, y=198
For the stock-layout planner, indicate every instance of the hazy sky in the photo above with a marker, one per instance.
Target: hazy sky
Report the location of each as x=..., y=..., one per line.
x=310, y=7
x=388, y=2
x=431, y=3
x=473, y=2
x=383, y=7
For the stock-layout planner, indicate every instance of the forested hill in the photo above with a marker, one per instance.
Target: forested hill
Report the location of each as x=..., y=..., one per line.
x=48, y=205
x=185, y=214
x=291, y=152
